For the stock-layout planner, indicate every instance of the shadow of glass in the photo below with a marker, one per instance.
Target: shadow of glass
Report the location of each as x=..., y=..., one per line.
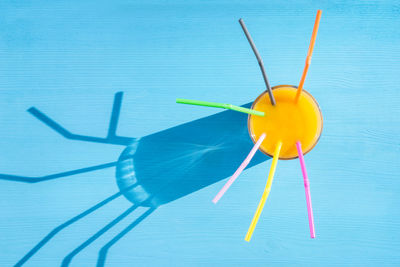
x=156, y=169
x=173, y=163
x=165, y=166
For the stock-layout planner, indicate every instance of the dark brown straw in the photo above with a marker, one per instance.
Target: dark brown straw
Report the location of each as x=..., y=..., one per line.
x=260, y=62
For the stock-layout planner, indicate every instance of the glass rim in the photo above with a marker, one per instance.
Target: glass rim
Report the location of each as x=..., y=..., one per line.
x=273, y=88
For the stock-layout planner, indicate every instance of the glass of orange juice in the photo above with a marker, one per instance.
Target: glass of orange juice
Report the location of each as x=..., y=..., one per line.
x=287, y=121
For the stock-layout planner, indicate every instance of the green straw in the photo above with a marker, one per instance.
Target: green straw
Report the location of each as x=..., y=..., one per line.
x=219, y=105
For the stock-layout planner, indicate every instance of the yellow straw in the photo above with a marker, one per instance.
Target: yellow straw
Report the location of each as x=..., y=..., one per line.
x=266, y=192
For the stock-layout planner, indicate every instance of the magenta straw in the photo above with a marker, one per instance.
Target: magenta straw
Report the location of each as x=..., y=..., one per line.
x=239, y=170
x=307, y=189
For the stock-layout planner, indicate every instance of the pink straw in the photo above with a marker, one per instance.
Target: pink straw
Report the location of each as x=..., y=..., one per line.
x=307, y=188
x=239, y=170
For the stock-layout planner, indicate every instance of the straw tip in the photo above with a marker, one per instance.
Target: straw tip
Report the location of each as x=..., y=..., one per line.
x=260, y=113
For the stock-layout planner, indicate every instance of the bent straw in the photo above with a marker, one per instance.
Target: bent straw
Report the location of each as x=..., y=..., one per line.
x=239, y=170
x=309, y=55
x=307, y=189
x=266, y=192
x=260, y=62
x=220, y=105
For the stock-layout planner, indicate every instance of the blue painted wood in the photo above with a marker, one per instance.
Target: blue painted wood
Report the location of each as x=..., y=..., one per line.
x=69, y=58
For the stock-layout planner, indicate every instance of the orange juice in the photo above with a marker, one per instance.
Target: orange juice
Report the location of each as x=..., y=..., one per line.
x=286, y=121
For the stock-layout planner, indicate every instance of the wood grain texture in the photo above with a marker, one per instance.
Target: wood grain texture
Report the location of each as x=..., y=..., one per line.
x=69, y=58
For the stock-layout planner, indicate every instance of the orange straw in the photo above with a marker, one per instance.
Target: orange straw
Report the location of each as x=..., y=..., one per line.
x=309, y=55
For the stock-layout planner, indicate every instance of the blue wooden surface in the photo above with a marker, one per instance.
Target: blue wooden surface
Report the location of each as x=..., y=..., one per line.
x=69, y=58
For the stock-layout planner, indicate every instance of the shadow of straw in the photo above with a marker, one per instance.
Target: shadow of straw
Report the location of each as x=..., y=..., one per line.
x=38, y=179
x=64, y=225
x=104, y=250
x=111, y=138
x=67, y=260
